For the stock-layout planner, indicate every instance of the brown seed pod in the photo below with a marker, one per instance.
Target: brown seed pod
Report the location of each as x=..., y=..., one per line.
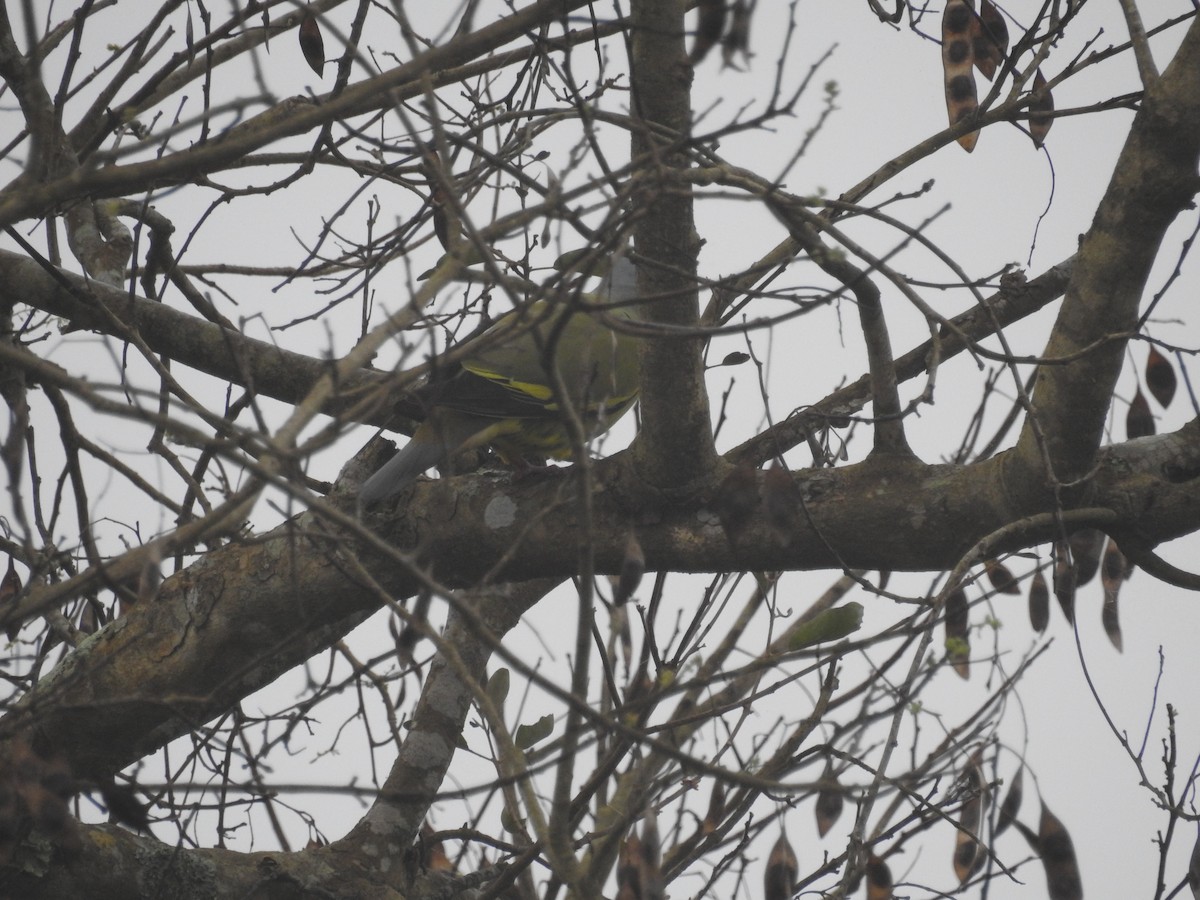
x=958, y=637
x=779, y=879
x=879, y=879
x=1139, y=421
x=312, y=45
x=830, y=801
x=968, y=852
x=1000, y=577
x=958, y=22
x=1040, y=110
x=989, y=38
x=1039, y=602
x=1012, y=802
x=1160, y=378
x=1058, y=859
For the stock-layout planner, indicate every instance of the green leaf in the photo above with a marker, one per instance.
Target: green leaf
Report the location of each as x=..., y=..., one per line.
x=497, y=688
x=508, y=824
x=528, y=735
x=830, y=625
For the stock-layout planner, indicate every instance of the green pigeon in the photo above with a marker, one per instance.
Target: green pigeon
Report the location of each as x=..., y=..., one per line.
x=502, y=396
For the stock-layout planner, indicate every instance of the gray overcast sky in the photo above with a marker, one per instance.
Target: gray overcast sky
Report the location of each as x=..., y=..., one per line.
x=1000, y=197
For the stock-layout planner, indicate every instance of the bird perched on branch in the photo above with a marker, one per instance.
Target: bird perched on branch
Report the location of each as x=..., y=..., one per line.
x=507, y=395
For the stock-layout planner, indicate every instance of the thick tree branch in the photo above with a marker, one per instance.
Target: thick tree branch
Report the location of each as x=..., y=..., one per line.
x=204, y=346
x=1154, y=179
x=121, y=686
x=1006, y=306
x=675, y=447
x=115, y=864
x=457, y=674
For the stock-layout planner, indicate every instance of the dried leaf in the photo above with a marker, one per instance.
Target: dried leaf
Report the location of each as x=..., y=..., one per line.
x=1000, y=577
x=312, y=45
x=737, y=499
x=1139, y=421
x=830, y=801
x=958, y=640
x=958, y=21
x=1012, y=802
x=1160, y=378
x=736, y=358
x=1039, y=602
x=1040, y=109
x=780, y=877
x=968, y=852
x=633, y=567
x=1058, y=859
x=781, y=504
x=708, y=29
x=879, y=879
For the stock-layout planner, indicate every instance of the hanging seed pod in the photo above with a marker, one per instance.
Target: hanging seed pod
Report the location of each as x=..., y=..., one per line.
x=990, y=39
x=1139, y=421
x=1039, y=602
x=1066, y=576
x=1160, y=378
x=968, y=852
x=830, y=801
x=312, y=45
x=779, y=879
x=1112, y=576
x=1087, y=546
x=879, y=879
x=1012, y=802
x=958, y=21
x=10, y=587
x=1040, y=110
x=958, y=638
x=1058, y=859
x=1000, y=577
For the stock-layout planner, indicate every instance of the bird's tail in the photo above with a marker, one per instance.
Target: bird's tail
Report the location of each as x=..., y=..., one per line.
x=434, y=443
x=410, y=461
